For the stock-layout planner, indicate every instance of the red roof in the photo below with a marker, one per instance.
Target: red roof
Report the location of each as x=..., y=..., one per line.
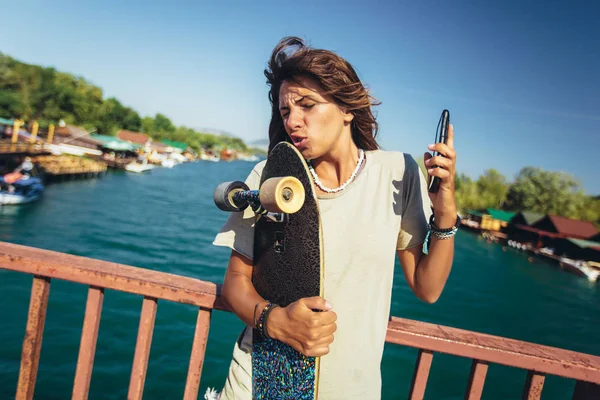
x=133, y=137
x=541, y=232
x=573, y=227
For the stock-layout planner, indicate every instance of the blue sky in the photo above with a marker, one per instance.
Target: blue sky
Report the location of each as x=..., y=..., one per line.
x=520, y=78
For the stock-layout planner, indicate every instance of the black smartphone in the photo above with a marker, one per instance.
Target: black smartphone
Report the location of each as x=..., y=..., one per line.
x=441, y=136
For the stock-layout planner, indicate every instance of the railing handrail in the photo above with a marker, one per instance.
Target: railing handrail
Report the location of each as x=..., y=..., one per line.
x=422, y=335
x=110, y=275
x=494, y=349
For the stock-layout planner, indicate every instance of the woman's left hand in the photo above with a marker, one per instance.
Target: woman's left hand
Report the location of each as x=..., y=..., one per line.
x=443, y=202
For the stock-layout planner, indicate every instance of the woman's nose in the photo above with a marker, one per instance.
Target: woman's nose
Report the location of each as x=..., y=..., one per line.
x=294, y=120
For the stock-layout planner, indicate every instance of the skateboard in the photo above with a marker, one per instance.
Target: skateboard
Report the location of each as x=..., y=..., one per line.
x=287, y=265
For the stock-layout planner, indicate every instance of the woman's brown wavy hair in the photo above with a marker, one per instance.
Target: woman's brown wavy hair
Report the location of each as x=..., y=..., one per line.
x=293, y=59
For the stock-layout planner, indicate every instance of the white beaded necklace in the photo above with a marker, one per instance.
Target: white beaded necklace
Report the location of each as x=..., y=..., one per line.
x=361, y=157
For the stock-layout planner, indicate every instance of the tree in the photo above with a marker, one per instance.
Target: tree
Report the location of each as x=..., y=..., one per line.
x=466, y=193
x=492, y=188
x=163, y=124
x=147, y=125
x=546, y=192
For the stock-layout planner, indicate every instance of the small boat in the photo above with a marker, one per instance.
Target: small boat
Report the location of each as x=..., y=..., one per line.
x=139, y=166
x=580, y=267
x=168, y=163
x=25, y=190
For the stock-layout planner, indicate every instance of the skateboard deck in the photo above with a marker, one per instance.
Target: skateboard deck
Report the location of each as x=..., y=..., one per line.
x=288, y=265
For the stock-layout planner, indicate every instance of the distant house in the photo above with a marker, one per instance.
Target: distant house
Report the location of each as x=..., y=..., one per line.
x=111, y=143
x=160, y=148
x=518, y=228
x=577, y=249
x=554, y=232
x=490, y=219
x=134, y=137
x=75, y=136
x=527, y=218
x=495, y=220
x=6, y=126
x=566, y=227
x=174, y=146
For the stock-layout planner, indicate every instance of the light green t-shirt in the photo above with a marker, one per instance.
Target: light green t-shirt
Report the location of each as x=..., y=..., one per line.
x=384, y=209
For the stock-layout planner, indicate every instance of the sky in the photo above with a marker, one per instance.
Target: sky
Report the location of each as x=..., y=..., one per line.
x=521, y=78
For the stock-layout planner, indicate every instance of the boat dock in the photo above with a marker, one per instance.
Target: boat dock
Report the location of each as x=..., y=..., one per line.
x=56, y=168
x=22, y=149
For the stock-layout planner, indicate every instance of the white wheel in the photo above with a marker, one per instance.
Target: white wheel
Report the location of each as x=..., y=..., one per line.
x=282, y=195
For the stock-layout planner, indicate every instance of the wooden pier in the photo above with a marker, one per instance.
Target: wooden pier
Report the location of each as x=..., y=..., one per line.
x=54, y=168
x=23, y=149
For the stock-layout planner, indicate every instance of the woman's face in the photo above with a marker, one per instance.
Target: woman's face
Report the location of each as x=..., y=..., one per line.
x=313, y=121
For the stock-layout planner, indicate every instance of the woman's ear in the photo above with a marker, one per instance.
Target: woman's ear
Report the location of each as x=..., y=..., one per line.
x=348, y=116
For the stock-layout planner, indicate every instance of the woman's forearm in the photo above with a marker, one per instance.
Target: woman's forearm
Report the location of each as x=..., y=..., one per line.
x=433, y=269
x=239, y=293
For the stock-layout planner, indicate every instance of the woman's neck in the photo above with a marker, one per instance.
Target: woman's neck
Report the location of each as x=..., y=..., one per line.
x=336, y=167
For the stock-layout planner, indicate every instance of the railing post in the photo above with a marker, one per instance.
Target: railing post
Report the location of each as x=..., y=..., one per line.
x=32, y=343
x=197, y=357
x=476, y=380
x=419, y=382
x=87, y=348
x=142, y=349
x=534, y=383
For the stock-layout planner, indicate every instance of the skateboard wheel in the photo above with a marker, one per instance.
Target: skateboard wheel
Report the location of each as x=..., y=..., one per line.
x=223, y=196
x=282, y=195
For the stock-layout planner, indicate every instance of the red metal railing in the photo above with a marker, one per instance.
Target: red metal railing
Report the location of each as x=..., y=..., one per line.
x=46, y=265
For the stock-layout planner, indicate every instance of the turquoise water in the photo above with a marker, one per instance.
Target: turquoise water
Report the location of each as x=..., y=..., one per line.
x=166, y=221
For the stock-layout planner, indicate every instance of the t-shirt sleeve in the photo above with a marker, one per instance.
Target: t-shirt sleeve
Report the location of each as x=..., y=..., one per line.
x=238, y=231
x=416, y=208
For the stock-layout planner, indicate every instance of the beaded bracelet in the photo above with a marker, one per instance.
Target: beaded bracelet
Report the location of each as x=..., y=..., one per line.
x=264, y=324
x=439, y=233
x=262, y=320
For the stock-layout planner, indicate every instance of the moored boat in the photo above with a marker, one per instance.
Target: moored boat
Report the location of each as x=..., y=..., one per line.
x=23, y=191
x=139, y=166
x=580, y=267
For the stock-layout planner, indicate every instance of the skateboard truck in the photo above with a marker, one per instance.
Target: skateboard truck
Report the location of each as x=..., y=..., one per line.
x=277, y=217
x=276, y=199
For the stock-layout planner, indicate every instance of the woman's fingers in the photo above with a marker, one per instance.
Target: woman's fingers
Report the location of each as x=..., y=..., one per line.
x=439, y=161
x=450, y=141
x=439, y=172
x=443, y=149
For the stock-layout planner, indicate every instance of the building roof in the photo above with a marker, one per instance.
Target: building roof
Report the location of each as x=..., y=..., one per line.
x=573, y=227
x=4, y=121
x=133, y=137
x=500, y=214
x=116, y=144
x=585, y=244
x=75, y=135
x=70, y=130
x=159, y=147
x=540, y=232
x=531, y=217
x=178, y=145
x=473, y=212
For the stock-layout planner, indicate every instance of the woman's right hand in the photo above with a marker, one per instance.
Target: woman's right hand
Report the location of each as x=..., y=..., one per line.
x=297, y=325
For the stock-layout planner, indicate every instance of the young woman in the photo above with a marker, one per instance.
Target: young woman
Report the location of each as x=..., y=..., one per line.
x=373, y=205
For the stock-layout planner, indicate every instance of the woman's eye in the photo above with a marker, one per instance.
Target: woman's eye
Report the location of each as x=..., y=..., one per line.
x=308, y=105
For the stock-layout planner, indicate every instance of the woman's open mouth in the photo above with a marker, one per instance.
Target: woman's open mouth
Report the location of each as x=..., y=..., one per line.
x=299, y=141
